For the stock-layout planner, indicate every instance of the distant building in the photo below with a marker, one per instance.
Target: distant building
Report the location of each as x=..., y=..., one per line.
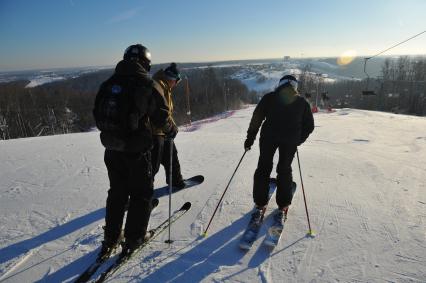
x=286, y=58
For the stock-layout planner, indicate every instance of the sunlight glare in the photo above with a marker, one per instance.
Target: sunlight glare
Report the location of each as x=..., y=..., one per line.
x=346, y=57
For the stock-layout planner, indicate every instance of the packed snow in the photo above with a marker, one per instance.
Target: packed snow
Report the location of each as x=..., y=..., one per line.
x=364, y=176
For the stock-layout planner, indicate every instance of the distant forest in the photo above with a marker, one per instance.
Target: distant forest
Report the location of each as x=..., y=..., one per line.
x=400, y=88
x=66, y=106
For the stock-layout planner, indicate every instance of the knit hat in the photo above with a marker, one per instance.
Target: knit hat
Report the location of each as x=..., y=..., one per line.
x=288, y=80
x=173, y=73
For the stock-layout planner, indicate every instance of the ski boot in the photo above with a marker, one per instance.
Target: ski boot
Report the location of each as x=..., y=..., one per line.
x=257, y=217
x=130, y=245
x=109, y=245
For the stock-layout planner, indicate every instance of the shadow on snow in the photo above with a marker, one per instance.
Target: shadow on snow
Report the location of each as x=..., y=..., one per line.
x=17, y=249
x=219, y=249
x=24, y=246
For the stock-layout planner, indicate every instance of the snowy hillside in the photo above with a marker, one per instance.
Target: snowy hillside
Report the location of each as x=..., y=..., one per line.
x=365, y=180
x=263, y=77
x=259, y=75
x=40, y=77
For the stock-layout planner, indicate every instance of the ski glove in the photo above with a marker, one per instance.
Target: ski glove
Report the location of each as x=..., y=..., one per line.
x=248, y=143
x=173, y=132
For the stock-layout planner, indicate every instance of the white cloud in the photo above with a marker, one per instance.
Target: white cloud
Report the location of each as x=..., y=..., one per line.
x=125, y=16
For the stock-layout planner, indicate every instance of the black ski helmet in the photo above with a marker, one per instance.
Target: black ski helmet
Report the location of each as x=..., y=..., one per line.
x=140, y=53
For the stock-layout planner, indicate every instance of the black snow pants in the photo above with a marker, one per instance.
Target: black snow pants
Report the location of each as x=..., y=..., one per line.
x=131, y=181
x=284, y=173
x=161, y=156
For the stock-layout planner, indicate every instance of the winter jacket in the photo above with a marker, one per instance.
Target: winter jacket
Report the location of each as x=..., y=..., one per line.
x=140, y=140
x=287, y=118
x=163, y=96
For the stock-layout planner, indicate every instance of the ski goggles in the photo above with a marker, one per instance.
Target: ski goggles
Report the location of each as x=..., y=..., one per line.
x=293, y=83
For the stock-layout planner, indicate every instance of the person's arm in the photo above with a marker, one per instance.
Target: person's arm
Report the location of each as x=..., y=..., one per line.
x=160, y=115
x=259, y=115
x=308, y=123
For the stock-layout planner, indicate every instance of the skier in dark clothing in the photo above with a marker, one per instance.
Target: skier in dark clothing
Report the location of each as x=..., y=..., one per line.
x=127, y=154
x=164, y=82
x=287, y=122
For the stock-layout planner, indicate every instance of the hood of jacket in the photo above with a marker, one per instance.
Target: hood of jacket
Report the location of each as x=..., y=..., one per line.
x=131, y=68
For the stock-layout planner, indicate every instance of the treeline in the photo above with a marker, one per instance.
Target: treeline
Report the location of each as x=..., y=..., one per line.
x=66, y=106
x=211, y=91
x=401, y=88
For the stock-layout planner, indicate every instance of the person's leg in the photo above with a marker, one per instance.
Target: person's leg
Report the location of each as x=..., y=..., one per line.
x=284, y=175
x=263, y=172
x=117, y=195
x=141, y=193
x=157, y=153
x=177, y=178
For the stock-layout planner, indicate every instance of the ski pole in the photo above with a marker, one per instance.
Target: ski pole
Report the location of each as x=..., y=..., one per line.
x=310, y=232
x=217, y=206
x=169, y=241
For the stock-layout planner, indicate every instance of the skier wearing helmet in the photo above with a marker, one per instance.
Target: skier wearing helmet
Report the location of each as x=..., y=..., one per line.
x=287, y=122
x=124, y=112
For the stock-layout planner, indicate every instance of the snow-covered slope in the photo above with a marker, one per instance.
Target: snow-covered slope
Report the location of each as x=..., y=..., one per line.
x=264, y=77
x=365, y=180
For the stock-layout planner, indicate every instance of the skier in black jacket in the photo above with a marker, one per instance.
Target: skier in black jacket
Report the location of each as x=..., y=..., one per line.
x=128, y=156
x=287, y=122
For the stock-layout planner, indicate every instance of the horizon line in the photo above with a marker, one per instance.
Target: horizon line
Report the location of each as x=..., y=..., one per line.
x=203, y=62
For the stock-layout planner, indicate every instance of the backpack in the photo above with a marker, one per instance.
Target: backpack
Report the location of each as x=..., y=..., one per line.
x=115, y=110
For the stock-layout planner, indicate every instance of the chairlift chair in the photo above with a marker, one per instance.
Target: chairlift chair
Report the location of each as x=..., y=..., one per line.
x=367, y=91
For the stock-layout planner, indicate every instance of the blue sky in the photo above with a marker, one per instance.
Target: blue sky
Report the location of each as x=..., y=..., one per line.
x=74, y=33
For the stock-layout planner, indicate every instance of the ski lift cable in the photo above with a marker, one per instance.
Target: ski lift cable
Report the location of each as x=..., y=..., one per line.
x=393, y=46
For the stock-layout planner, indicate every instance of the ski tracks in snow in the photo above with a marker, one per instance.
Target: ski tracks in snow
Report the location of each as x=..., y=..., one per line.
x=264, y=272
x=9, y=267
x=86, y=241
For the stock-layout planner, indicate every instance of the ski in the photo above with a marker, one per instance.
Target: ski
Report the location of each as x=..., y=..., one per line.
x=274, y=232
x=252, y=230
x=85, y=276
x=122, y=259
x=190, y=182
x=101, y=259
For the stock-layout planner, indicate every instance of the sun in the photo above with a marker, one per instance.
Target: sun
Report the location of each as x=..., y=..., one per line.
x=346, y=57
